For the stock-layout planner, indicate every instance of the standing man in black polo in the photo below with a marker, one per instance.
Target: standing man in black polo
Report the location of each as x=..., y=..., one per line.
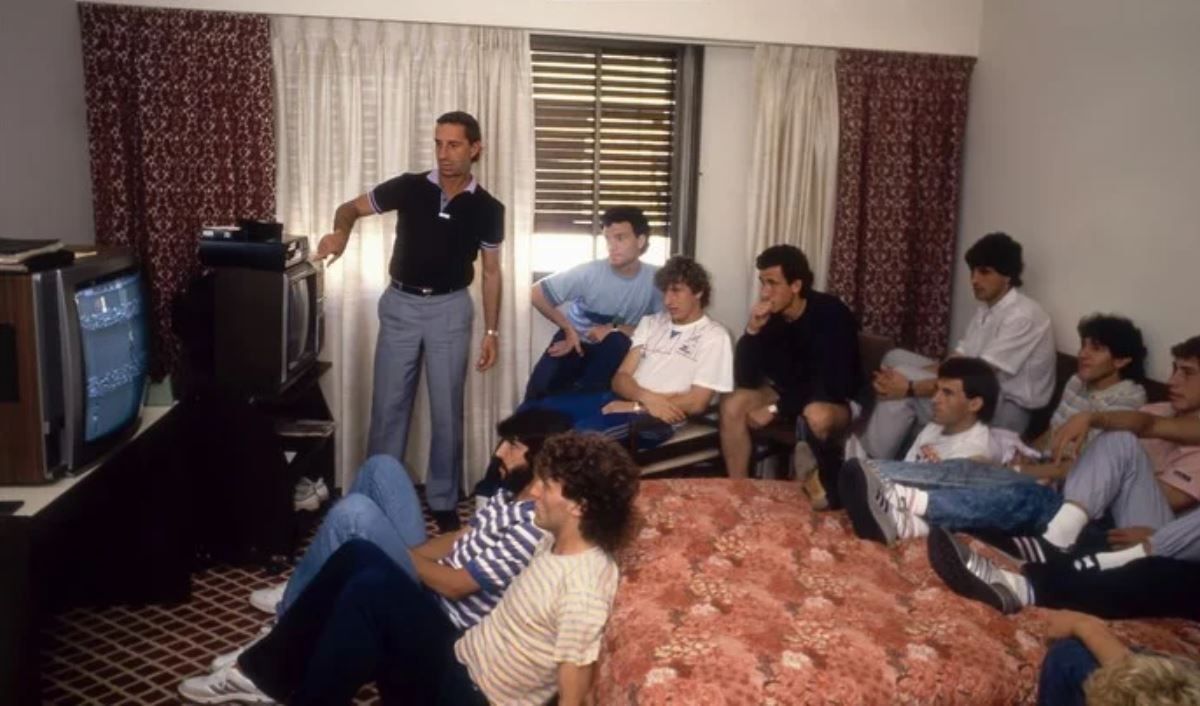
x=443, y=219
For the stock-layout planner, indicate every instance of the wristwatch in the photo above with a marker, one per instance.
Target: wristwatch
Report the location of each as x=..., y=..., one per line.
x=492, y=332
x=773, y=408
x=637, y=407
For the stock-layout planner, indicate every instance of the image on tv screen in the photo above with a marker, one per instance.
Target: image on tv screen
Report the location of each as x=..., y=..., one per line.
x=297, y=313
x=112, y=330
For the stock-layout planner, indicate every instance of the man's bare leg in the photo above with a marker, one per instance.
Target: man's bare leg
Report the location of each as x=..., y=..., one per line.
x=736, y=424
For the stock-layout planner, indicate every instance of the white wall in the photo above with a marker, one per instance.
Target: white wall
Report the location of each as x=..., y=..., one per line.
x=726, y=138
x=935, y=26
x=1083, y=142
x=45, y=185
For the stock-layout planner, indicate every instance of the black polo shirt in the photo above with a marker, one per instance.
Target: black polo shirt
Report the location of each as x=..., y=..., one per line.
x=436, y=248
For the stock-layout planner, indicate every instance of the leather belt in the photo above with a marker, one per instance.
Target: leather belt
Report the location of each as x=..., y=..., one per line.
x=422, y=291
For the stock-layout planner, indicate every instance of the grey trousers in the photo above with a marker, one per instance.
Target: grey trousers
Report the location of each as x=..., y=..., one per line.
x=438, y=330
x=1114, y=473
x=893, y=420
x=1179, y=538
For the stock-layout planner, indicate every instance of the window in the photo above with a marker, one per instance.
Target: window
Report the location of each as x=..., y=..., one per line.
x=616, y=124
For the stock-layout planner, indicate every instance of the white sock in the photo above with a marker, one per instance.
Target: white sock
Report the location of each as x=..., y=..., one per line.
x=918, y=501
x=1019, y=585
x=1121, y=557
x=1065, y=526
x=908, y=504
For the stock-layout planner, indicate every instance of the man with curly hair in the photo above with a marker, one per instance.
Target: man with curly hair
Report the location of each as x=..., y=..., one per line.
x=677, y=361
x=362, y=619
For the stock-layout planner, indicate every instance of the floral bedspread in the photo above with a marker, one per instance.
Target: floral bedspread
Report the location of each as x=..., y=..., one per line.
x=735, y=592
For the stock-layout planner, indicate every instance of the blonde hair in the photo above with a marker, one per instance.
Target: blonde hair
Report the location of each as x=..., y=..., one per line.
x=1144, y=680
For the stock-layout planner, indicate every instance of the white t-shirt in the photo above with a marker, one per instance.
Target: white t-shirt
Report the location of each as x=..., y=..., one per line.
x=1014, y=337
x=676, y=357
x=932, y=443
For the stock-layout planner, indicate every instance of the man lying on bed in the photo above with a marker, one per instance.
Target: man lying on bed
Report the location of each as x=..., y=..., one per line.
x=677, y=361
x=363, y=619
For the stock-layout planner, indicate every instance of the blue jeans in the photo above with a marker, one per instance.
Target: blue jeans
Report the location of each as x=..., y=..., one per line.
x=590, y=372
x=584, y=410
x=382, y=507
x=1067, y=665
x=1016, y=508
x=956, y=473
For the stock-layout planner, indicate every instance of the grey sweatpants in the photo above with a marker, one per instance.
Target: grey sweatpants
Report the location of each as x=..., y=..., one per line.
x=1115, y=473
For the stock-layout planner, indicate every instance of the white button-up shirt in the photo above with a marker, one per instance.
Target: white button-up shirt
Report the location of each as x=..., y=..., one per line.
x=1014, y=337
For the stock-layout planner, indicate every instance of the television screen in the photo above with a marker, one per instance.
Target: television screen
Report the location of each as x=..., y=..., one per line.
x=112, y=330
x=298, y=319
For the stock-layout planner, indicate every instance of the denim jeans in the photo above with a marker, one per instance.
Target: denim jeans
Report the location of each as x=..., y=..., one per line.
x=1016, y=508
x=1067, y=665
x=382, y=507
x=956, y=473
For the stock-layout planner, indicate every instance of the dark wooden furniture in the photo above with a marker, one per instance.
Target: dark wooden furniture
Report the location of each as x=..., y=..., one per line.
x=21, y=450
x=109, y=534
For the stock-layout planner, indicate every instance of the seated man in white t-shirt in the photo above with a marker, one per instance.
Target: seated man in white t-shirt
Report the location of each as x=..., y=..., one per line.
x=678, y=360
x=965, y=399
x=1010, y=331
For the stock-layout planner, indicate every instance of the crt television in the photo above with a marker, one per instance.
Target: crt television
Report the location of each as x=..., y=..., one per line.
x=268, y=326
x=75, y=355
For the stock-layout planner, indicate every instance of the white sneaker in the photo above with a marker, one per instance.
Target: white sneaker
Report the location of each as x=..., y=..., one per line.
x=229, y=658
x=305, y=496
x=878, y=509
x=223, y=686
x=267, y=599
x=322, y=489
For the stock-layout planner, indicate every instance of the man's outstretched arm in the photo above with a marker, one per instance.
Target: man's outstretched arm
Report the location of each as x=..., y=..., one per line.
x=1069, y=437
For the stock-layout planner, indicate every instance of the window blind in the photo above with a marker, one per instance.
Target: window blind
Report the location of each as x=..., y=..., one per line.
x=605, y=133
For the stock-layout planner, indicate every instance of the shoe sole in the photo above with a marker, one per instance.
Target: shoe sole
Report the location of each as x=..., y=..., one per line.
x=948, y=557
x=857, y=490
x=225, y=699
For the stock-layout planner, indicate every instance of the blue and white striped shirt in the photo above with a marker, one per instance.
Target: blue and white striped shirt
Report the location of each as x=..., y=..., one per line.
x=499, y=545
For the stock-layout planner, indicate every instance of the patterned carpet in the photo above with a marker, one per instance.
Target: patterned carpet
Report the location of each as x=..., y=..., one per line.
x=138, y=655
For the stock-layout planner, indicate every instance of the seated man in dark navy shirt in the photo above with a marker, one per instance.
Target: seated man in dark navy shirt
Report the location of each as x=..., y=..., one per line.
x=797, y=360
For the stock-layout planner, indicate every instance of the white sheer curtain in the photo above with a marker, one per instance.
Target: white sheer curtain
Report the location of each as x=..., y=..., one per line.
x=793, y=174
x=356, y=103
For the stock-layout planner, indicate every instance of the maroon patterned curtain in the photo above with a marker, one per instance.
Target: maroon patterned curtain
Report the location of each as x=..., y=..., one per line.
x=901, y=123
x=181, y=132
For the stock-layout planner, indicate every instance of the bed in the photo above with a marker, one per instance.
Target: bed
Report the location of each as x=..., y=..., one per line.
x=735, y=592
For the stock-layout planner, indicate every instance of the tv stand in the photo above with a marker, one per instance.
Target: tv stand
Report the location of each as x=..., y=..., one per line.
x=106, y=534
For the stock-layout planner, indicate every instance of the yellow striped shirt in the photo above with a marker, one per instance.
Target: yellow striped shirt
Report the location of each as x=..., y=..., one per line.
x=553, y=612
